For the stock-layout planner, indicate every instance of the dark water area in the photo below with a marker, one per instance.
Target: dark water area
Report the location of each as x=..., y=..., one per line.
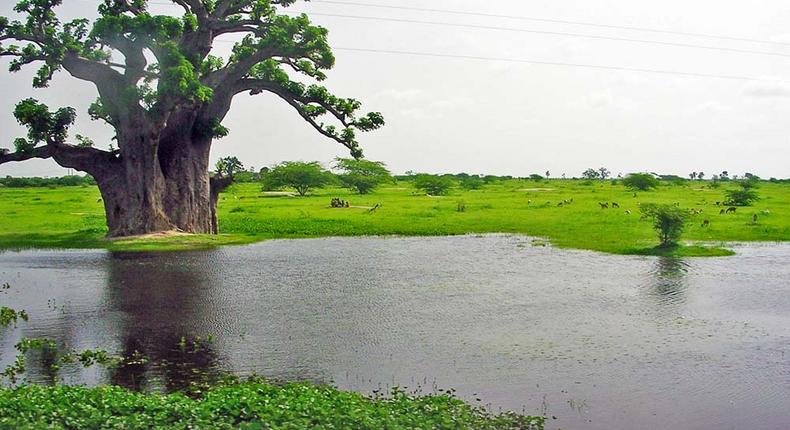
x=600, y=341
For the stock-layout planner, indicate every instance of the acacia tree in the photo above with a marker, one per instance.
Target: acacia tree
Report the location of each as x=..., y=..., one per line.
x=362, y=175
x=300, y=175
x=166, y=99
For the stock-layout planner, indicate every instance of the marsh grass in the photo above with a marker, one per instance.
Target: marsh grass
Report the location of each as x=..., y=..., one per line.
x=72, y=217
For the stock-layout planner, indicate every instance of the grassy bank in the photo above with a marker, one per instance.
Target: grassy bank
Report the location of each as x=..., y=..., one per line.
x=251, y=405
x=72, y=217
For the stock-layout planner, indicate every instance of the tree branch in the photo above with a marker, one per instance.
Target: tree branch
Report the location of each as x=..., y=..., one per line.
x=86, y=159
x=255, y=86
x=111, y=86
x=39, y=152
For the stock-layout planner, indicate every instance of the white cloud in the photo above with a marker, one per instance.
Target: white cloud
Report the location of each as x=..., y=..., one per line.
x=401, y=94
x=600, y=100
x=767, y=89
x=451, y=103
x=711, y=107
x=781, y=38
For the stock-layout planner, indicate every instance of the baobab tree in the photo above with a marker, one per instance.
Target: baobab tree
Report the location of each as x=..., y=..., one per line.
x=165, y=95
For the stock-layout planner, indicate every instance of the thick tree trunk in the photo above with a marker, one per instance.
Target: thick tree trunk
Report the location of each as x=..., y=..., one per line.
x=160, y=186
x=187, y=197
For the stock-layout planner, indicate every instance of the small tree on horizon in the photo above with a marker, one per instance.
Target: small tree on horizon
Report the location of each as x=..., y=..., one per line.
x=472, y=182
x=299, y=175
x=590, y=174
x=640, y=181
x=434, y=185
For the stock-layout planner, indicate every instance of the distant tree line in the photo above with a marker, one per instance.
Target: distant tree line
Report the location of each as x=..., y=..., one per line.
x=364, y=176
x=67, y=181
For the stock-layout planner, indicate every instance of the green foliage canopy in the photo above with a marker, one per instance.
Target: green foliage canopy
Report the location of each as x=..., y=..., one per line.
x=669, y=221
x=640, y=181
x=434, y=185
x=168, y=69
x=229, y=166
x=302, y=176
x=745, y=195
x=362, y=175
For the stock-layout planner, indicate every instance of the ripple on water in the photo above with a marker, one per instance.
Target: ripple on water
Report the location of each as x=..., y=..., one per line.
x=604, y=341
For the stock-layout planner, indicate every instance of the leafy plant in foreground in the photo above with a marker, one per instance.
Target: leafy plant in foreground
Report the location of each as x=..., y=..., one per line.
x=251, y=404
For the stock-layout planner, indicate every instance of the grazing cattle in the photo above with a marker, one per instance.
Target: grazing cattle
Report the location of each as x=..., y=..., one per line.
x=721, y=212
x=559, y=204
x=706, y=223
x=754, y=218
x=615, y=205
x=765, y=212
x=98, y=200
x=604, y=205
x=627, y=212
x=731, y=209
x=529, y=202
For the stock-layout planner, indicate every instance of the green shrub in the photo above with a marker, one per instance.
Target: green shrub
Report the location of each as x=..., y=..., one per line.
x=640, y=181
x=668, y=221
x=472, y=183
x=744, y=196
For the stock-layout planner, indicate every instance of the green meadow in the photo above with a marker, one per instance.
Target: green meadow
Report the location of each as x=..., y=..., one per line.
x=73, y=217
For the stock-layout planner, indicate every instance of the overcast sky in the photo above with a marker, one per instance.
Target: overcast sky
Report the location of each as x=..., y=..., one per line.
x=485, y=116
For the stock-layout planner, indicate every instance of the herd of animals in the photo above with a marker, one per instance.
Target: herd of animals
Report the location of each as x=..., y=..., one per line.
x=705, y=222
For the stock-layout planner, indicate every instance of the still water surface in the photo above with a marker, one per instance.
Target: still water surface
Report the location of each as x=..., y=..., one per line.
x=600, y=341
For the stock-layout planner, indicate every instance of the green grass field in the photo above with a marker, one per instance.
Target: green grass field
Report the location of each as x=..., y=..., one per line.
x=72, y=217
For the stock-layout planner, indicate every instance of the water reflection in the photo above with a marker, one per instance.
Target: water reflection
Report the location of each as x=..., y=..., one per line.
x=668, y=280
x=638, y=342
x=158, y=333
